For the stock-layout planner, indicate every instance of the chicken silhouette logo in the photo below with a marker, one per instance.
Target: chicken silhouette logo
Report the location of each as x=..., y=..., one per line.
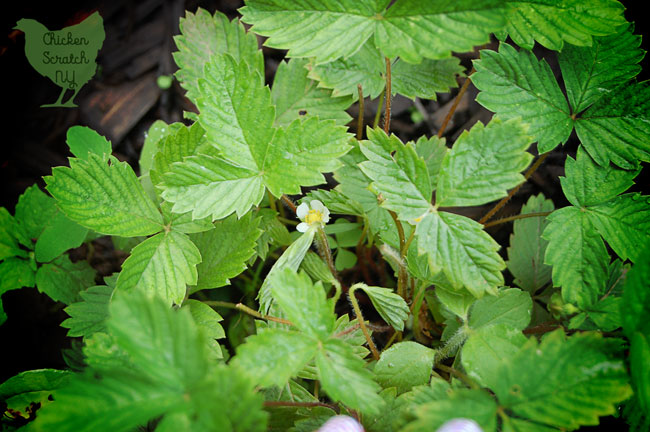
x=66, y=56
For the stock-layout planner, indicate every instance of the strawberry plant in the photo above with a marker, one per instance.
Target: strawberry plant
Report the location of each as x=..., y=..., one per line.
x=251, y=299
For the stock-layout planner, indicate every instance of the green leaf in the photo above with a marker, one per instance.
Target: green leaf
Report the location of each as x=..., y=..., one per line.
x=295, y=95
x=207, y=321
x=578, y=256
x=487, y=348
x=624, y=223
x=587, y=183
x=483, y=164
x=405, y=365
x=398, y=174
x=433, y=150
x=604, y=315
x=392, y=308
x=21, y=391
x=62, y=280
x=510, y=306
x=34, y=210
x=83, y=140
x=183, y=222
x=16, y=273
x=225, y=250
x=590, y=72
x=345, y=379
x=459, y=247
x=104, y=195
x=616, y=128
x=424, y=80
x=89, y=315
x=272, y=357
x=457, y=301
x=303, y=302
x=9, y=246
x=640, y=371
x=203, y=36
x=59, y=235
x=162, y=265
x=636, y=298
x=527, y=247
x=153, y=142
x=575, y=380
x=516, y=84
x=552, y=22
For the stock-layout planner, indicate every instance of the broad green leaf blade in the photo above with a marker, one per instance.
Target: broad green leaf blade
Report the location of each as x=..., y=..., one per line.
x=527, y=247
x=207, y=321
x=553, y=22
x=616, y=127
x=291, y=258
x=183, y=222
x=153, y=143
x=636, y=298
x=82, y=140
x=336, y=202
x=578, y=256
x=345, y=379
x=424, y=80
x=405, y=365
x=511, y=307
x=295, y=95
x=433, y=150
x=236, y=111
x=210, y=186
x=574, y=380
x=398, y=174
x=460, y=248
x=412, y=29
x=487, y=348
x=516, y=84
x=587, y=183
x=392, y=308
x=303, y=303
x=62, y=280
x=590, y=72
x=457, y=301
x=104, y=195
x=59, y=235
x=624, y=223
x=89, y=315
x=33, y=211
x=34, y=386
x=162, y=265
x=272, y=357
x=225, y=249
x=483, y=164
x=326, y=30
x=203, y=36
x=16, y=273
x=640, y=371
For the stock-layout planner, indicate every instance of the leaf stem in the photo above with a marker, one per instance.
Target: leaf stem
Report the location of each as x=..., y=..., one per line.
x=401, y=274
x=272, y=204
x=289, y=203
x=300, y=404
x=515, y=217
x=324, y=250
x=364, y=329
x=452, y=110
x=503, y=202
x=242, y=307
x=387, y=95
x=361, y=108
x=379, y=107
x=458, y=374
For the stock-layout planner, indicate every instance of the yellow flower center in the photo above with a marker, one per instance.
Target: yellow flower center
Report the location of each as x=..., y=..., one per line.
x=313, y=216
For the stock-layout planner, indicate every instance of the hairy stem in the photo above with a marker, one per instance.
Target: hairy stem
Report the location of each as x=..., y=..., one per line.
x=515, y=217
x=272, y=204
x=362, y=323
x=361, y=108
x=503, y=202
x=246, y=309
x=379, y=108
x=300, y=404
x=458, y=374
x=388, y=96
x=289, y=203
x=401, y=274
x=324, y=250
x=452, y=110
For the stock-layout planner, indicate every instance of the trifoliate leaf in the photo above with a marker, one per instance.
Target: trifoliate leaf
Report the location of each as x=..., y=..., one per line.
x=295, y=95
x=345, y=379
x=203, y=36
x=578, y=256
x=510, y=306
x=405, y=365
x=104, y=195
x=82, y=140
x=553, y=22
x=433, y=151
x=624, y=223
x=183, y=222
x=616, y=128
x=398, y=174
x=207, y=321
x=392, y=308
x=527, y=247
x=487, y=348
x=575, y=380
x=516, y=84
x=89, y=315
x=587, y=183
x=483, y=164
x=162, y=265
x=273, y=367
x=590, y=72
x=62, y=280
x=303, y=303
x=225, y=250
x=459, y=247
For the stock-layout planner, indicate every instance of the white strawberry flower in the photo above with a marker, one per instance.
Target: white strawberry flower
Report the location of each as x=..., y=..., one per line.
x=313, y=215
x=460, y=425
x=341, y=423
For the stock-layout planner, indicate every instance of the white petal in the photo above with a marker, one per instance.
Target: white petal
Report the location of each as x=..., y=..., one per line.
x=302, y=211
x=341, y=423
x=326, y=215
x=318, y=206
x=302, y=227
x=460, y=425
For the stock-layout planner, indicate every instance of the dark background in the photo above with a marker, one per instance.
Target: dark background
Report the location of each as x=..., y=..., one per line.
x=121, y=102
